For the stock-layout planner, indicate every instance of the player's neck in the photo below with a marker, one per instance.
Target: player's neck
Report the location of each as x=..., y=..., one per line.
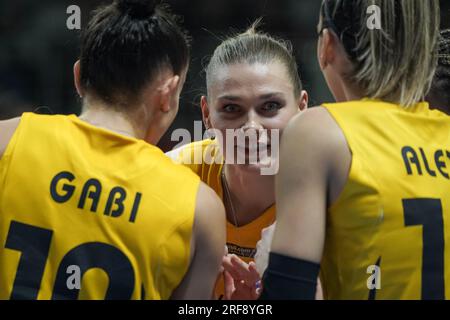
x=352, y=93
x=251, y=194
x=106, y=117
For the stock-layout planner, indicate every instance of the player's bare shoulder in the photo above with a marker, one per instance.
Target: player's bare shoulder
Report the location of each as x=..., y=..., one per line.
x=316, y=138
x=7, y=129
x=317, y=128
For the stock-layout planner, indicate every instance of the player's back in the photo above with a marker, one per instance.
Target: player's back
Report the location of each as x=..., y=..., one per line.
x=77, y=200
x=393, y=217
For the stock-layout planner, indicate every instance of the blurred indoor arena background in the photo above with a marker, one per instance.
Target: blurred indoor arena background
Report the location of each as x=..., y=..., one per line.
x=37, y=51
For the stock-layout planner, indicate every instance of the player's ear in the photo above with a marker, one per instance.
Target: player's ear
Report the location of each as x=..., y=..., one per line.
x=303, y=101
x=167, y=92
x=77, y=78
x=327, y=48
x=205, y=112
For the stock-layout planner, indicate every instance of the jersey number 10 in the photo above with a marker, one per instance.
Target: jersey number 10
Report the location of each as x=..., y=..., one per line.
x=34, y=244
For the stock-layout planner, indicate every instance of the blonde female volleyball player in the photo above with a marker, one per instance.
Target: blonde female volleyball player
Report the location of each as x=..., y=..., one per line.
x=252, y=85
x=364, y=195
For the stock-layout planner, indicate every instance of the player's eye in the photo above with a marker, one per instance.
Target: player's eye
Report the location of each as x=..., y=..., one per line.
x=231, y=108
x=271, y=106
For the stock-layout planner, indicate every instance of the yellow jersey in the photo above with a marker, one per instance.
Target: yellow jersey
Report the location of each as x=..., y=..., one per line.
x=388, y=234
x=205, y=159
x=87, y=213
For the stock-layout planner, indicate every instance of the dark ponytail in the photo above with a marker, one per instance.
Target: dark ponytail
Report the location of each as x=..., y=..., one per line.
x=125, y=45
x=137, y=8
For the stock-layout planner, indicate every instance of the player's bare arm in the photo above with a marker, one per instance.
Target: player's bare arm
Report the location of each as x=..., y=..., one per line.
x=312, y=148
x=206, y=247
x=7, y=129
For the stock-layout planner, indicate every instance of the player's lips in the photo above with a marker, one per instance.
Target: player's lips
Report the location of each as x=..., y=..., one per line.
x=253, y=148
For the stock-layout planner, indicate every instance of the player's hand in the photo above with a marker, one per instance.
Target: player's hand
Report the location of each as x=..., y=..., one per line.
x=262, y=255
x=263, y=249
x=242, y=280
x=225, y=254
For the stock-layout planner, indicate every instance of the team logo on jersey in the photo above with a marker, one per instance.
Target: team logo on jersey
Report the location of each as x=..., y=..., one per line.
x=241, y=251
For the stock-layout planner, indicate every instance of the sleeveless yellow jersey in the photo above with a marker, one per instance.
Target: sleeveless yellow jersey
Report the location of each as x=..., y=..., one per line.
x=388, y=234
x=87, y=213
x=205, y=159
